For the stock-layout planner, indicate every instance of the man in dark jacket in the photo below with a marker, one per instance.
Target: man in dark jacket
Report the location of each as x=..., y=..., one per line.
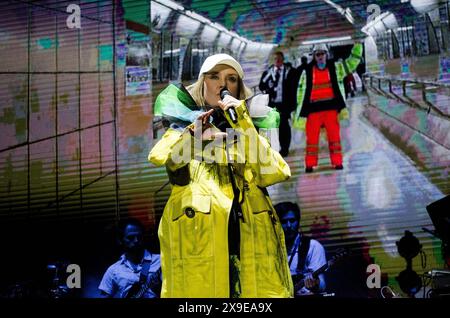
x=280, y=81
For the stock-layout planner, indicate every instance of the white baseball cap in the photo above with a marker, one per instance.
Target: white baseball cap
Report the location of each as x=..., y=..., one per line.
x=213, y=60
x=320, y=47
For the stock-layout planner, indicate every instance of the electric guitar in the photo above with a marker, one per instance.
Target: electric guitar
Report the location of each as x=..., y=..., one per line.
x=153, y=282
x=299, y=279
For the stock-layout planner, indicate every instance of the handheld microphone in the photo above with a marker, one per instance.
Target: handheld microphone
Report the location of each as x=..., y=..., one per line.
x=231, y=111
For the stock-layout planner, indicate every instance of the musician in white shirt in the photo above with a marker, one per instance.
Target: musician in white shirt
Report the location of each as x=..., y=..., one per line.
x=120, y=277
x=310, y=261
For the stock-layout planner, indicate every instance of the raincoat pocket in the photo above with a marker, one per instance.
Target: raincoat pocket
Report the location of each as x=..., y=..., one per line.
x=192, y=225
x=263, y=223
x=259, y=204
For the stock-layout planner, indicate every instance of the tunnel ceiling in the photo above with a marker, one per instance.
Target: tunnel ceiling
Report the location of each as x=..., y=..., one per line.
x=289, y=23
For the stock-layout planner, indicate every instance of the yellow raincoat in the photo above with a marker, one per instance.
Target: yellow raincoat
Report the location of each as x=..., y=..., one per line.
x=193, y=231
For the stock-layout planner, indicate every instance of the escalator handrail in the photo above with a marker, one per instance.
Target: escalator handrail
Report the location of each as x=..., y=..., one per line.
x=407, y=100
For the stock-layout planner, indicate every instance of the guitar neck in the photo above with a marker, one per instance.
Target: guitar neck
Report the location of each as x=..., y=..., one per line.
x=149, y=284
x=315, y=275
x=321, y=270
x=301, y=278
x=139, y=289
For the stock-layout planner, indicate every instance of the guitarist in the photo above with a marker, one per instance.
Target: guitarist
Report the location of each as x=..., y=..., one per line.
x=305, y=255
x=128, y=272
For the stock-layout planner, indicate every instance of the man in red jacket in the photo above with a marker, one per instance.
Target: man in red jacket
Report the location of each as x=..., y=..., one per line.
x=320, y=96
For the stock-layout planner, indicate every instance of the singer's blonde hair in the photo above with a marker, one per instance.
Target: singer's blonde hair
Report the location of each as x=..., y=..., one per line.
x=196, y=90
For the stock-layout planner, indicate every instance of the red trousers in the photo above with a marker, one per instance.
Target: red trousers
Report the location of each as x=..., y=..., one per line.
x=328, y=119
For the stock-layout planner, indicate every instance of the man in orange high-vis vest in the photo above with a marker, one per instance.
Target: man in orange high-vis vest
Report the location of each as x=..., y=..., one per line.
x=320, y=99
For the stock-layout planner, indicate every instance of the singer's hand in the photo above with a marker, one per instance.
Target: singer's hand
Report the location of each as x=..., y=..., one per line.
x=229, y=101
x=204, y=118
x=212, y=133
x=207, y=131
